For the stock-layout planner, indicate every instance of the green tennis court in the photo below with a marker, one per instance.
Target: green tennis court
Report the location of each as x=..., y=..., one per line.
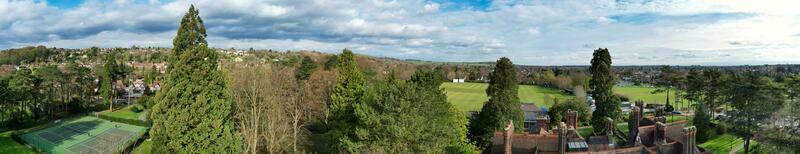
x=84, y=135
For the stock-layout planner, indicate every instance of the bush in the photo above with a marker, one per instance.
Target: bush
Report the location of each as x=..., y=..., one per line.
x=136, y=122
x=136, y=108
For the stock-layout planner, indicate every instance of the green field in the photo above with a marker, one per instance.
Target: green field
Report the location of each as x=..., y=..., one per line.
x=8, y=145
x=725, y=143
x=143, y=148
x=471, y=96
x=645, y=94
x=124, y=113
x=84, y=135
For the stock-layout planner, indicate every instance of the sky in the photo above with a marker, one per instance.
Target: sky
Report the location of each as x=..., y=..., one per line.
x=530, y=32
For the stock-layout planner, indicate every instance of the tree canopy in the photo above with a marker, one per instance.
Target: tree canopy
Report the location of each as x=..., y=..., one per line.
x=503, y=105
x=602, y=82
x=193, y=111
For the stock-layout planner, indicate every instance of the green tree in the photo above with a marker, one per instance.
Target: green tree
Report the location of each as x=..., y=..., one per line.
x=307, y=67
x=503, y=105
x=667, y=80
x=193, y=112
x=702, y=121
x=332, y=62
x=108, y=75
x=92, y=52
x=81, y=85
x=23, y=85
x=602, y=82
x=345, y=94
x=558, y=111
x=754, y=99
x=410, y=117
x=793, y=87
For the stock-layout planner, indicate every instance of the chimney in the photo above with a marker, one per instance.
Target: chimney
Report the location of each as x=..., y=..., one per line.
x=572, y=119
x=507, y=135
x=633, y=126
x=610, y=130
x=542, y=122
x=689, y=139
x=661, y=133
x=640, y=104
x=661, y=119
x=562, y=138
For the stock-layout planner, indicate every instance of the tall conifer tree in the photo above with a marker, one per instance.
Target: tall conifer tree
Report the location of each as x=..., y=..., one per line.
x=345, y=94
x=602, y=82
x=193, y=110
x=503, y=105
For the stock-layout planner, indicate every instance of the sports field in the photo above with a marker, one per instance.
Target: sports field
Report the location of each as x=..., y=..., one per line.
x=84, y=135
x=471, y=96
x=645, y=94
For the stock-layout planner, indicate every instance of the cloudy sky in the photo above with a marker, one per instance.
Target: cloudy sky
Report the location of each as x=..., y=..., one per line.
x=547, y=32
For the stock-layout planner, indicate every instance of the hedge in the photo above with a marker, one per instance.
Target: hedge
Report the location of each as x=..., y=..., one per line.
x=124, y=120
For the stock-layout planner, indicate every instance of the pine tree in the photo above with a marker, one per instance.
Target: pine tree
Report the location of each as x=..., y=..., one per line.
x=503, y=105
x=754, y=98
x=108, y=77
x=602, y=82
x=345, y=94
x=193, y=111
x=307, y=67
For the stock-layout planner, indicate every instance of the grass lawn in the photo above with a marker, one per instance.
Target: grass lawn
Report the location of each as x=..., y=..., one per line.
x=471, y=96
x=644, y=94
x=8, y=145
x=723, y=144
x=143, y=148
x=124, y=113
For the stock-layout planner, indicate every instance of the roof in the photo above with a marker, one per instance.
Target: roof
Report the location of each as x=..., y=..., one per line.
x=526, y=107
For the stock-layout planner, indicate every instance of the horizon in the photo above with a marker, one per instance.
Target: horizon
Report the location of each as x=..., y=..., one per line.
x=533, y=33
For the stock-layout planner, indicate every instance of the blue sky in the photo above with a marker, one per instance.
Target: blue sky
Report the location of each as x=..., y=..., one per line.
x=534, y=32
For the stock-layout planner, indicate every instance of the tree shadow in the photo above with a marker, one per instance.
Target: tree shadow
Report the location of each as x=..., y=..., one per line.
x=66, y=132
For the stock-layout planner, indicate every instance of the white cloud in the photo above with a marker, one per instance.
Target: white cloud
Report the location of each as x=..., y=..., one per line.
x=530, y=32
x=430, y=7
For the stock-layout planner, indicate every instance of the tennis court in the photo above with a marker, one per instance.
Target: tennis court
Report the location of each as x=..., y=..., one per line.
x=85, y=135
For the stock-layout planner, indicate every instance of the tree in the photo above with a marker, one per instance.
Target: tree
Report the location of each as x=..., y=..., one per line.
x=702, y=121
x=668, y=79
x=410, y=117
x=503, y=105
x=793, y=87
x=108, y=75
x=193, y=112
x=23, y=84
x=558, y=111
x=754, y=99
x=345, y=94
x=258, y=93
x=332, y=62
x=307, y=67
x=92, y=52
x=602, y=82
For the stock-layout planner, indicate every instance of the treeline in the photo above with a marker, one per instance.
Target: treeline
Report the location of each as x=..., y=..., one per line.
x=46, y=92
x=25, y=55
x=748, y=104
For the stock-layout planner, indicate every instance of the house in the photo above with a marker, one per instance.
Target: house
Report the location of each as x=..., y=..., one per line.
x=533, y=115
x=650, y=135
x=458, y=80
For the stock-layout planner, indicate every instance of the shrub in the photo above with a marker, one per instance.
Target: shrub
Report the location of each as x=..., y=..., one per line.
x=136, y=122
x=136, y=108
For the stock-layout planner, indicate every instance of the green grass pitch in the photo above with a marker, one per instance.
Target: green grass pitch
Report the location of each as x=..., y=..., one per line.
x=471, y=96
